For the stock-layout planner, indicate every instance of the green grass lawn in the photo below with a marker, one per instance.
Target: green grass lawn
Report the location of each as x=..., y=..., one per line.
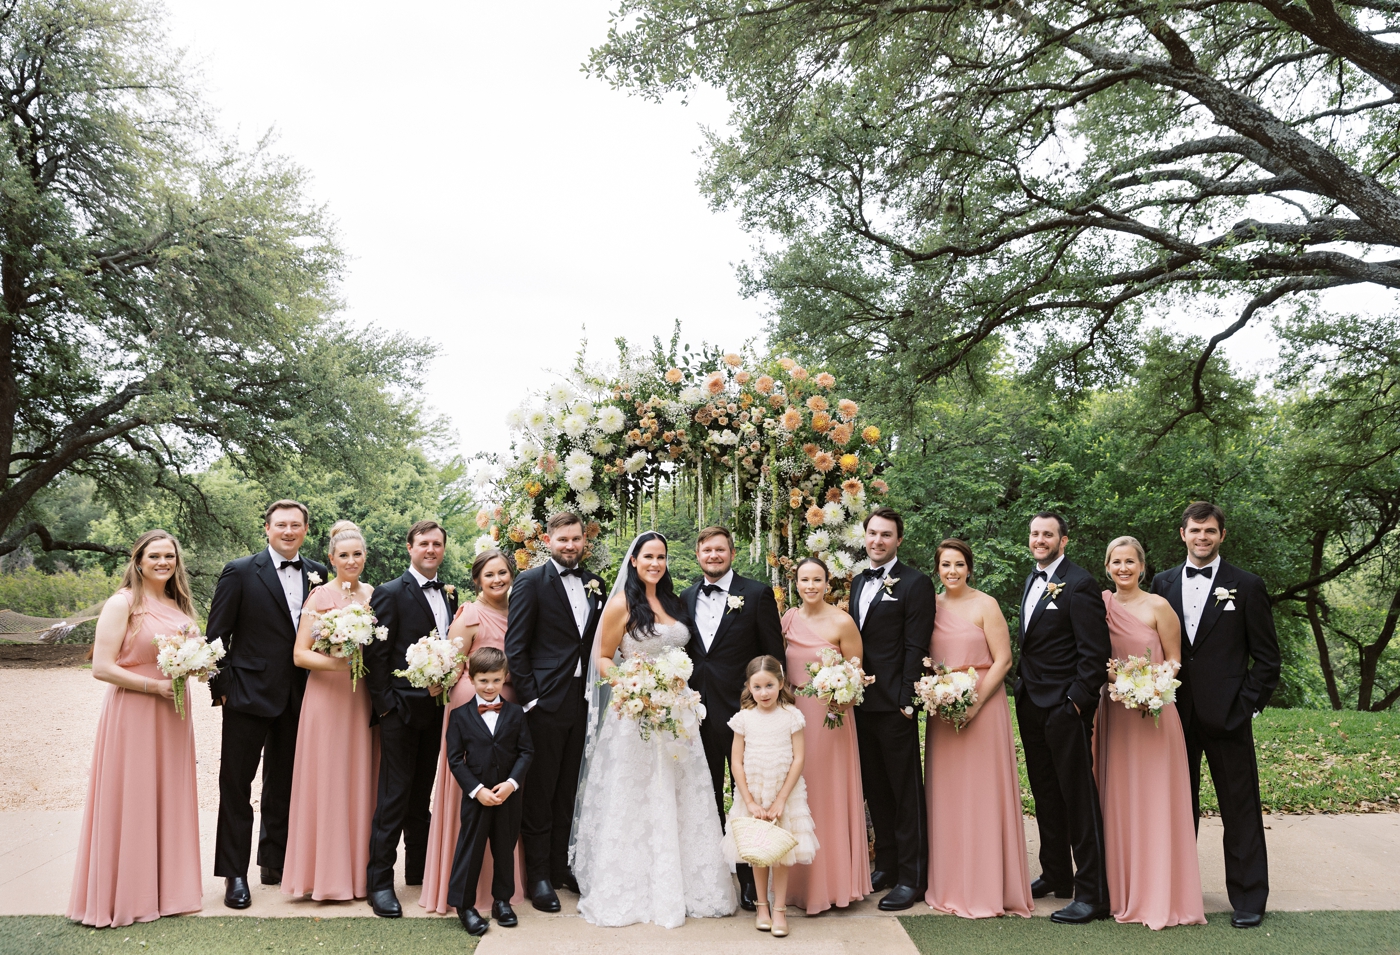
x=1283, y=933
x=55, y=935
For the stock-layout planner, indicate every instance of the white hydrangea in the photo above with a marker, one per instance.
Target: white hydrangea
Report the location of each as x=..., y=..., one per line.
x=636, y=462
x=725, y=437
x=611, y=420
x=588, y=501
x=574, y=425
x=580, y=477
x=692, y=396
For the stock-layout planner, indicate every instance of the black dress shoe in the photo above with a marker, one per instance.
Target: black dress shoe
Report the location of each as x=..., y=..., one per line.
x=504, y=914
x=1242, y=919
x=566, y=881
x=236, y=894
x=1079, y=913
x=881, y=880
x=271, y=876
x=1040, y=889
x=899, y=898
x=748, y=897
x=473, y=922
x=542, y=896
x=385, y=904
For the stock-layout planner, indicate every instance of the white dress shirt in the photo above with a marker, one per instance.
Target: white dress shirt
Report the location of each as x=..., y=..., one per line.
x=710, y=609
x=578, y=603
x=873, y=588
x=291, y=584
x=1037, y=591
x=490, y=717
x=1195, y=591
x=436, y=600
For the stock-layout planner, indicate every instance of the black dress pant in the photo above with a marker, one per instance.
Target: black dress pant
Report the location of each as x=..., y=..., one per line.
x=497, y=826
x=247, y=740
x=548, y=810
x=1060, y=765
x=408, y=754
x=894, y=791
x=718, y=740
x=1235, y=773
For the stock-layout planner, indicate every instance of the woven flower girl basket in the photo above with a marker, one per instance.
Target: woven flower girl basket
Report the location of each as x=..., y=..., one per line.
x=760, y=843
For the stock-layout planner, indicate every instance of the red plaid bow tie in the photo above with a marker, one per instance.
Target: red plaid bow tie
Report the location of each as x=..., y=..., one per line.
x=489, y=707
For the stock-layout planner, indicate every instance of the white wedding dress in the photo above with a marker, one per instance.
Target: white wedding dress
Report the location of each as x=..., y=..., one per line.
x=647, y=844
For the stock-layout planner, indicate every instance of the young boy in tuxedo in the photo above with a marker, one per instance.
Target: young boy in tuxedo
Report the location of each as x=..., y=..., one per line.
x=489, y=752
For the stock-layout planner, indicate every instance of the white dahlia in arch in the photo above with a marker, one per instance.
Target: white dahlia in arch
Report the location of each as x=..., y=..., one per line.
x=611, y=420
x=579, y=477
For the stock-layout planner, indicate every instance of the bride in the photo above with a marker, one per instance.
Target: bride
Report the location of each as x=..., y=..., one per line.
x=646, y=841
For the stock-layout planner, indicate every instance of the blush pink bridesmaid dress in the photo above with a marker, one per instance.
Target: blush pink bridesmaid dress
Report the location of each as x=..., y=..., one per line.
x=977, y=864
x=447, y=795
x=1145, y=791
x=840, y=871
x=334, y=780
x=138, y=852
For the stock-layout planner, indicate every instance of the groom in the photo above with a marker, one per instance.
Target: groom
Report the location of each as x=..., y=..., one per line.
x=1226, y=622
x=554, y=611
x=737, y=619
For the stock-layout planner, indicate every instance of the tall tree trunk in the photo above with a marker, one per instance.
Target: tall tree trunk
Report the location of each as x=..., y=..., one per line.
x=1371, y=660
x=1314, y=605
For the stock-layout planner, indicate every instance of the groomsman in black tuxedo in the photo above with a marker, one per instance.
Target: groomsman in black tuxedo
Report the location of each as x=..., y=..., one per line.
x=410, y=720
x=554, y=611
x=893, y=605
x=737, y=619
x=1226, y=622
x=1065, y=651
x=255, y=611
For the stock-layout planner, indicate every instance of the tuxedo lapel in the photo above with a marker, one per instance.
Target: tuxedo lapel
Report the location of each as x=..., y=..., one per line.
x=692, y=597
x=1021, y=618
x=1210, y=613
x=556, y=582
x=857, y=586
x=1173, y=596
x=268, y=575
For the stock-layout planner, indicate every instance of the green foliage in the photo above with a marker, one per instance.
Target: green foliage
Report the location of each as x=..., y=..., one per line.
x=37, y=594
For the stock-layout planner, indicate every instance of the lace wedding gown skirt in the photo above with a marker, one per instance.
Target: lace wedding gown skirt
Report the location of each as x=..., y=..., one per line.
x=648, y=841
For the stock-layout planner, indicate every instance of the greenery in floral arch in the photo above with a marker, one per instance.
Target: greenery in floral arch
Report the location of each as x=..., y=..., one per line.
x=763, y=440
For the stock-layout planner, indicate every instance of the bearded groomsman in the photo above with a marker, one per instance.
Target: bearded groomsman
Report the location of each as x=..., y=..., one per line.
x=1227, y=622
x=737, y=619
x=1065, y=650
x=255, y=610
x=554, y=611
x=410, y=720
x=893, y=605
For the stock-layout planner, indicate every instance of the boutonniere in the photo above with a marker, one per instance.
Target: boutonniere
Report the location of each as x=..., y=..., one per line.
x=593, y=588
x=1223, y=594
x=1053, y=589
x=314, y=577
x=736, y=603
x=888, y=583
x=450, y=590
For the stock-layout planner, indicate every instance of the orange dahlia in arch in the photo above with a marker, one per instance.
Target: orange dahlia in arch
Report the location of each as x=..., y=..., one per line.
x=810, y=449
x=849, y=462
x=821, y=422
x=786, y=364
x=791, y=419
x=764, y=385
x=817, y=403
x=847, y=409
x=841, y=434
x=871, y=434
x=743, y=377
x=674, y=376
x=823, y=461
x=825, y=380
x=776, y=401
x=522, y=559
x=852, y=486
x=733, y=360
x=816, y=516
x=799, y=373
x=833, y=495
x=714, y=383
x=879, y=486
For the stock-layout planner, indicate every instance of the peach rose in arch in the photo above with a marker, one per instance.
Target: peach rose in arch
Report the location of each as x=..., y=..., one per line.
x=794, y=499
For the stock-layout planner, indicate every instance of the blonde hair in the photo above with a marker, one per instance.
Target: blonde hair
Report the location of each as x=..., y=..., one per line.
x=1126, y=541
x=177, y=588
x=766, y=664
x=341, y=531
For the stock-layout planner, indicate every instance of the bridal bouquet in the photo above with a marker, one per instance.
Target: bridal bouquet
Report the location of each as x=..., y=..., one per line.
x=433, y=661
x=837, y=682
x=184, y=654
x=344, y=632
x=655, y=694
x=947, y=694
x=1141, y=685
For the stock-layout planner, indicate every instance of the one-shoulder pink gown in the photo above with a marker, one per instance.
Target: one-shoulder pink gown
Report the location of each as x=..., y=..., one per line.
x=977, y=864
x=138, y=852
x=840, y=872
x=334, y=781
x=447, y=795
x=1145, y=791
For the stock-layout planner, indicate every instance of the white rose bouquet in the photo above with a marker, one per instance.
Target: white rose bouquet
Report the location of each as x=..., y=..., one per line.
x=654, y=693
x=433, y=661
x=947, y=694
x=184, y=654
x=837, y=682
x=344, y=632
x=1141, y=685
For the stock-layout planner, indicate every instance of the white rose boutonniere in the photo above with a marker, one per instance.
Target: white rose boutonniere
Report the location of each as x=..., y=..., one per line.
x=736, y=603
x=593, y=588
x=1053, y=589
x=314, y=577
x=888, y=583
x=1223, y=594
x=450, y=590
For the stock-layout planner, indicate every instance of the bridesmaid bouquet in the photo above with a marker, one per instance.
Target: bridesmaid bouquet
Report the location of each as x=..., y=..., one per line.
x=1140, y=685
x=656, y=695
x=837, y=682
x=433, y=661
x=344, y=632
x=184, y=654
x=947, y=694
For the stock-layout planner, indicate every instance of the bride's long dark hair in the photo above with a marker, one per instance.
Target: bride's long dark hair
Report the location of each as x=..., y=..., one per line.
x=640, y=617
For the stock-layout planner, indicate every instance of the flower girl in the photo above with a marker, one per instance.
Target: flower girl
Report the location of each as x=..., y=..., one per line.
x=767, y=767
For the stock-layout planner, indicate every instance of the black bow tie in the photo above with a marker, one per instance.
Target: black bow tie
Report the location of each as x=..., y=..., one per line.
x=290, y=563
x=1205, y=572
x=571, y=572
x=1041, y=574
x=432, y=585
x=709, y=590
x=873, y=573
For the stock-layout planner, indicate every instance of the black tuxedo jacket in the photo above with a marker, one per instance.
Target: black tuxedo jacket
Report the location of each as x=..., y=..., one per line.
x=249, y=613
x=1065, y=649
x=478, y=757
x=401, y=606
x=752, y=631
x=1219, y=688
x=543, y=644
x=896, y=635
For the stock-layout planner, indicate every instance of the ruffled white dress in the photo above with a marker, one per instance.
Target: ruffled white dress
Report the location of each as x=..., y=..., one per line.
x=647, y=845
x=767, y=759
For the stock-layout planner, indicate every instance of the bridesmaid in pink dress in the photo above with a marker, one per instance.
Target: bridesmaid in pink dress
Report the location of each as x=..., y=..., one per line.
x=138, y=852
x=481, y=623
x=840, y=872
x=977, y=841
x=337, y=760
x=1141, y=767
